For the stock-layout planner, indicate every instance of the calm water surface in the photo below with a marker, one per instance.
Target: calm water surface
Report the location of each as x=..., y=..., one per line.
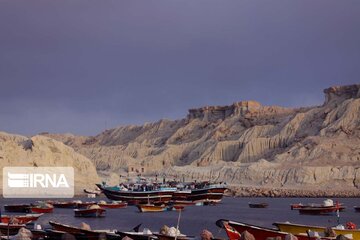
x=196, y=218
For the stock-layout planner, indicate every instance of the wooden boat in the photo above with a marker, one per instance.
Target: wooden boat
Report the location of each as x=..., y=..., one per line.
x=318, y=210
x=10, y=229
x=21, y=219
x=208, y=193
x=160, y=208
x=41, y=209
x=135, y=235
x=261, y=233
x=71, y=204
x=90, y=212
x=299, y=228
x=17, y=208
x=114, y=204
x=137, y=197
x=90, y=234
x=85, y=204
x=258, y=205
x=357, y=208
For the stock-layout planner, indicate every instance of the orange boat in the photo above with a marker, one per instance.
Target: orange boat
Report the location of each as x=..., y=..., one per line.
x=41, y=209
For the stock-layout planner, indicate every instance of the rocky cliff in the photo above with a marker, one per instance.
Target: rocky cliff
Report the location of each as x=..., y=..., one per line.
x=243, y=143
x=41, y=151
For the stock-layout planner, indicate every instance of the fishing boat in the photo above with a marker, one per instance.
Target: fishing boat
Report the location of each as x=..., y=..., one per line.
x=90, y=234
x=10, y=229
x=260, y=233
x=326, y=203
x=92, y=211
x=72, y=204
x=21, y=219
x=207, y=192
x=258, y=205
x=17, y=208
x=134, y=197
x=318, y=210
x=41, y=208
x=85, y=204
x=299, y=228
x=60, y=235
x=113, y=205
x=357, y=208
x=136, y=235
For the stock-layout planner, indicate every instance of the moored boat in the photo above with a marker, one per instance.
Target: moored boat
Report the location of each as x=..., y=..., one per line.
x=112, y=205
x=72, y=204
x=357, y=208
x=90, y=234
x=136, y=196
x=21, y=219
x=90, y=212
x=261, y=233
x=10, y=229
x=208, y=193
x=17, y=208
x=318, y=210
x=258, y=205
x=300, y=228
x=47, y=208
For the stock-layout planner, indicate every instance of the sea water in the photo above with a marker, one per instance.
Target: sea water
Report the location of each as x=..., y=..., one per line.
x=193, y=219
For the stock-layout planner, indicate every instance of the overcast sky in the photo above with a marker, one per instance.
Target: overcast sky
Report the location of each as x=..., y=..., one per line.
x=83, y=66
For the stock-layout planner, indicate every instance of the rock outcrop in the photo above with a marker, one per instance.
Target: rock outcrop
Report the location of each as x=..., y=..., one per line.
x=252, y=144
x=41, y=151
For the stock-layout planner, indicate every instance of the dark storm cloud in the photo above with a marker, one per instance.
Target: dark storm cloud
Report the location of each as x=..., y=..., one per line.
x=81, y=66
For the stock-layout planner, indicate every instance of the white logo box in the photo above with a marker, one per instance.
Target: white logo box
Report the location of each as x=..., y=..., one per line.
x=38, y=182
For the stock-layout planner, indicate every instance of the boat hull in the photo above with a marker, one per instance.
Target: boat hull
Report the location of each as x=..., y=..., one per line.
x=299, y=228
x=138, y=197
x=22, y=219
x=318, y=211
x=23, y=208
x=98, y=212
x=261, y=233
x=210, y=194
x=10, y=229
x=113, y=205
x=90, y=234
x=41, y=210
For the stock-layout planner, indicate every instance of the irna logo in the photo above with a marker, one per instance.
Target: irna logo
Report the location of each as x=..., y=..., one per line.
x=22, y=180
x=38, y=182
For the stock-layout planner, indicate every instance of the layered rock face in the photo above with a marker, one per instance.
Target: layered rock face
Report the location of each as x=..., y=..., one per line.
x=244, y=143
x=41, y=151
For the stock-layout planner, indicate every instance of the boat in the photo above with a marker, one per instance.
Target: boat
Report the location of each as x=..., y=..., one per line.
x=17, y=208
x=60, y=235
x=21, y=219
x=85, y=204
x=90, y=234
x=326, y=203
x=135, y=234
x=207, y=193
x=134, y=197
x=318, y=210
x=41, y=207
x=10, y=229
x=72, y=204
x=259, y=233
x=92, y=211
x=299, y=228
x=161, y=208
x=114, y=204
x=168, y=237
x=258, y=205
x=357, y=208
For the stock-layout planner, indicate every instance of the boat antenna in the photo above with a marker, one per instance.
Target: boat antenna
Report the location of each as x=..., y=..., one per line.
x=178, y=223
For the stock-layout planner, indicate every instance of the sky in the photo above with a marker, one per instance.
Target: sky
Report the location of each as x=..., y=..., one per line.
x=84, y=66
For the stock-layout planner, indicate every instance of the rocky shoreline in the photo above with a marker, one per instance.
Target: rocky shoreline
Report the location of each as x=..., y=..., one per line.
x=245, y=191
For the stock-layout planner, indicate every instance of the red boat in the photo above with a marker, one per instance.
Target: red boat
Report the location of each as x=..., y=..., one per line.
x=112, y=205
x=21, y=219
x=41, y=207
x=259, y=233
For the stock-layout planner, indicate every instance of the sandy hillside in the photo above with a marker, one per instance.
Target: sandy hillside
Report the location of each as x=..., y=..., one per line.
x=243, y=143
